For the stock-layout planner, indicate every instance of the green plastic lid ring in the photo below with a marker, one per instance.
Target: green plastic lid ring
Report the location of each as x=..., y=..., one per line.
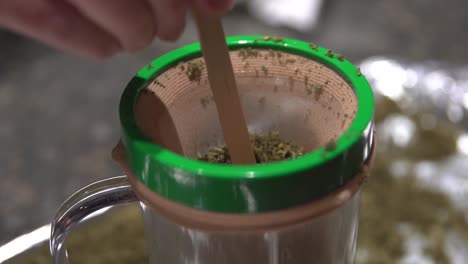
x=254, y=188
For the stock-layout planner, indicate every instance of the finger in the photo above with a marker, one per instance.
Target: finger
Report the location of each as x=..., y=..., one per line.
x=58, y=24
x=171, y=17
x=214, y=7
x=131, y=22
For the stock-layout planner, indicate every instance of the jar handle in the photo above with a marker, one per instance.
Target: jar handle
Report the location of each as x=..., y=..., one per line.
x=83, y=203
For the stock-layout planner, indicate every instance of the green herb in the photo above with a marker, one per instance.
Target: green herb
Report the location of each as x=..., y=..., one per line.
x=358, y=72
x=331, y=145
x=262, y=100
x=205, y=101
x=159, y=84
x=267, y=147
x=194, y=70
x=248, y=53
x=313, y=46
x=273, y=38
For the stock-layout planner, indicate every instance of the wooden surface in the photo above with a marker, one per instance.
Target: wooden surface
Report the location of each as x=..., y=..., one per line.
x=223, y=86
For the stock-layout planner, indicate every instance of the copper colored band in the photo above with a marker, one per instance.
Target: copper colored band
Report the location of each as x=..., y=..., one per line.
x=210, y=221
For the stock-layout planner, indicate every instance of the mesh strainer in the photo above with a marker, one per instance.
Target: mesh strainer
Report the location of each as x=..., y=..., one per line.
x=310, y=95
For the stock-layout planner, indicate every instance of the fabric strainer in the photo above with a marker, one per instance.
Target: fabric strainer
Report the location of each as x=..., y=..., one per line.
x=310, y=95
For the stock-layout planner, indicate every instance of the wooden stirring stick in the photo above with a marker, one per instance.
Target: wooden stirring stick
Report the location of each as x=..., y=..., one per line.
x=223, y=85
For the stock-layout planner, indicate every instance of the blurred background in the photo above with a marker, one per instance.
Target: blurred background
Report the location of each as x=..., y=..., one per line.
x=58, y=112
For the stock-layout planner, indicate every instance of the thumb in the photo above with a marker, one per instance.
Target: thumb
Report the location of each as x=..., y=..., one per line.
x=214, y=7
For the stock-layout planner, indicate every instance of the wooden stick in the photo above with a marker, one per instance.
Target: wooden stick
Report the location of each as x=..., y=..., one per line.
x=223, y=85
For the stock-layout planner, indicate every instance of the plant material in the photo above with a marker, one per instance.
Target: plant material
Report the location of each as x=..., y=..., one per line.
x=248, y=53
x=313, y=46
x=194, y=70
x=205, y=101
x=358, y=72
x=158, y=83
x=273, y=38
x=331, y=145
x=267, y=147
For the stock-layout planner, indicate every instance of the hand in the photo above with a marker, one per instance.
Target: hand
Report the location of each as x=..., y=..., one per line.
x=101, y=28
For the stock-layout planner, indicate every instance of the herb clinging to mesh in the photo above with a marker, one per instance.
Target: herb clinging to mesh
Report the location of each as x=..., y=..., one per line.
x=331, y=145
x=247, y=53
x=158, y=83
x=194, y=70
x=205, y=101
x=262, y=100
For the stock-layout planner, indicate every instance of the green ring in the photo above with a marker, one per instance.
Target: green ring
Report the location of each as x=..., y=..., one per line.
x=254, y=188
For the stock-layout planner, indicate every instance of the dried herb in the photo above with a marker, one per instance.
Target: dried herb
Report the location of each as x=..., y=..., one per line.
x=358, y=72
x=315, y=89
x=318, y=91
x=158, y=83
x=194, y=70
x=340, y=57
x=248, y=53
x=267, y=147
x=205, y=101
x=387, y=202
x=273, y=38
x=331, y=145
x=262, y=100
x=313, y=46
